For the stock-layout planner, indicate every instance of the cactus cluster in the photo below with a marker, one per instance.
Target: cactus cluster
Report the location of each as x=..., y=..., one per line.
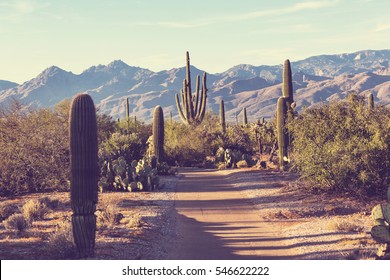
x=261, y=129
x=193, y=107
x=119, y=175
x=380, y=232
x=84, y=172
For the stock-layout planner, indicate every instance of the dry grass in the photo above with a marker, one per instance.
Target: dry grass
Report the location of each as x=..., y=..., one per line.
x=33, y=210
x=134, y=221
x=7, y=210
x=345, y=225
x=60, y=243
x=16, y=222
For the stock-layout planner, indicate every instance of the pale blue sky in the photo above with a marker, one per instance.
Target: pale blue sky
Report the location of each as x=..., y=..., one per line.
x=76, y=34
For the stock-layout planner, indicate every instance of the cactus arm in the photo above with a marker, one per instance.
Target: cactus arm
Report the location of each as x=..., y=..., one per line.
x=180, y=110
x=197, y=95
x=202, y=110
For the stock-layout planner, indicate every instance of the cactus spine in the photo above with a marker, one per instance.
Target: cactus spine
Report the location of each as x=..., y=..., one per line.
x=370, y=101
x=281, y=116
x=193, y=107
x=244, y=118
x=84, y=172
x=158, y=133
x=222, y=116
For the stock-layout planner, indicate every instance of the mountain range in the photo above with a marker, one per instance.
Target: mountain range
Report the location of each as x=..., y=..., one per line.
x=315, y=79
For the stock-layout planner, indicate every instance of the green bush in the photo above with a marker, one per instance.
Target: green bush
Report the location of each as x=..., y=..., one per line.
x=195, y=145
x=342, y=146
x=34, y=148
x=33, y=151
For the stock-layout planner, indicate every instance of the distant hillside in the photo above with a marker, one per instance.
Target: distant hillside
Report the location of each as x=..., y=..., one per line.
x=316, y=79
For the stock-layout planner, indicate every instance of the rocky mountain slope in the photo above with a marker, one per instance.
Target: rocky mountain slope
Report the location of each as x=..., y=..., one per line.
x=316, y=79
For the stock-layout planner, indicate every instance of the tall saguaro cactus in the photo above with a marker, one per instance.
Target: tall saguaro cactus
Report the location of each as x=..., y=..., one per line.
x=193, y=107
x=244, y=118
x=222, y=116
x=158, y=133
x=281, y=116
x=288, y=86
x=84, y=172
x=127, y=110
x=370, y=101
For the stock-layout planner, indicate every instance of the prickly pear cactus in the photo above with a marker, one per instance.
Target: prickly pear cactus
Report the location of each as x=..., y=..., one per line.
x=380, y=232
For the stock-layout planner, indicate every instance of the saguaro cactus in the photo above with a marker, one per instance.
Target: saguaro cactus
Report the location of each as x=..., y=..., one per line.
x=127, y=110
x=158, y=133
x=84, y=172
x=370, y=101
x=222, y=116
x=288, y=86
x=244, y=118
x=281, y=116
x=193, y=107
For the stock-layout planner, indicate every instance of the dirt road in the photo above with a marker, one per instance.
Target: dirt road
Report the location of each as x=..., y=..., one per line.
x=215, y=221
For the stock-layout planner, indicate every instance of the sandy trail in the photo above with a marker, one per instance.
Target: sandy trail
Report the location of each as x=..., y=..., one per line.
x=216, y=221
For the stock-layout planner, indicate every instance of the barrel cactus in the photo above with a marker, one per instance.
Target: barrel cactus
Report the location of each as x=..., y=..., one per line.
x=84, y=172
x=158, y=133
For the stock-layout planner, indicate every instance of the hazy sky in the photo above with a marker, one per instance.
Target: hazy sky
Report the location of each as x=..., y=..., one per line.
x=154, y=34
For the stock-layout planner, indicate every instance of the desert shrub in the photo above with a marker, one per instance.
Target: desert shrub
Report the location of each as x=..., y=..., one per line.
x=33, y=151
x=49, y=202
x=34, y=210
x=342, y=146
x=193, y=145
x=130, y=141
x=134, y=221
x=34, y=148
x=242, y=164
x=16, y=222
x=60, y=242
x=7, y=210
x=107, y=215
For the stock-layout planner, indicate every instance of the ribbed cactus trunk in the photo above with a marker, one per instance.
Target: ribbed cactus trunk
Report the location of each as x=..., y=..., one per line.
x=222, y=116
x=281, y=116
x=158, y=133
x=84, y=172
x=287, y=85
x=370, y=101
x=244, y=118
x=127, y=109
